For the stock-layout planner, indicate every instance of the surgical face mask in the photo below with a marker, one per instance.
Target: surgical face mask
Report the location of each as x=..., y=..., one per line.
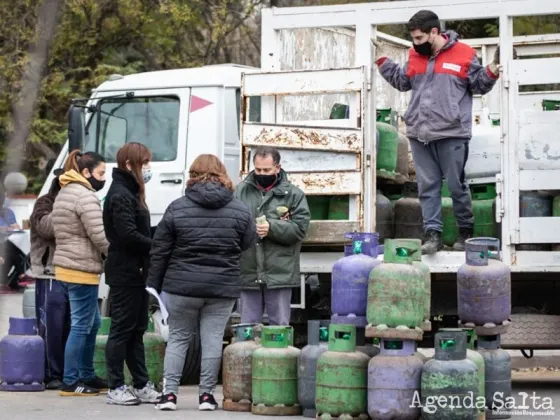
x=424, y=48
x=146, y=174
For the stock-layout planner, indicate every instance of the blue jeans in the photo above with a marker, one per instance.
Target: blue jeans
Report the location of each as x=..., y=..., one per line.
x=85, y=321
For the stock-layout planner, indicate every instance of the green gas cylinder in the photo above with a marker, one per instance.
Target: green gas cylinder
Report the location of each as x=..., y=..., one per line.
x=339, y=207
x=318, y=206
x=154, y=350
x=425, y=269
x=387, y=152
x=99, y=364
x=556, y=213
x=450, y=231
x=275, y=366
x=476, y=358
x=450, y=382
x=341, y=387
x=484, y=210
x=396, y=288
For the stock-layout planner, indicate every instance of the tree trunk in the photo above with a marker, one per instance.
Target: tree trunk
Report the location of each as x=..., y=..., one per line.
x=23, y=109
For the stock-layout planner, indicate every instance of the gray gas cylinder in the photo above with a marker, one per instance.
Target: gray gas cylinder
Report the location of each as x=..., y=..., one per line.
x=497, y=371
x=318, y=343
x=28, y=303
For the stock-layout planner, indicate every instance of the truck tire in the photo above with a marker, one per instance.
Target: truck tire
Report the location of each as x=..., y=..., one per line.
x=532, y=332
x=191, y=370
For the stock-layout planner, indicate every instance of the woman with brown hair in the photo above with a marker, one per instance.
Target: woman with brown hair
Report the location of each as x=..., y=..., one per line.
x=126, y=219
x=80, y=244
x=195, y=265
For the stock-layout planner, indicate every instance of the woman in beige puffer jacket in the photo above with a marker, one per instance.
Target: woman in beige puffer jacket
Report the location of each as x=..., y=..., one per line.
x=78, y=261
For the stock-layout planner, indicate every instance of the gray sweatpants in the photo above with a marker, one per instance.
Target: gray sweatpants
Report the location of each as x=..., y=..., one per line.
x=276, y=302
x=445, y=158
x=185, y=315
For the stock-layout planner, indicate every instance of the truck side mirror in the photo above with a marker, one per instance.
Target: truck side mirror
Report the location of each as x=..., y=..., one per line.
x=76, y=131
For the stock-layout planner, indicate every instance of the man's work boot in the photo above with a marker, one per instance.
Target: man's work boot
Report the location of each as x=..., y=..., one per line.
x=432, y=242
x=464, y=234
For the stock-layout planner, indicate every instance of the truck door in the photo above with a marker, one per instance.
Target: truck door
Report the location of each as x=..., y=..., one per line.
x=156, y=118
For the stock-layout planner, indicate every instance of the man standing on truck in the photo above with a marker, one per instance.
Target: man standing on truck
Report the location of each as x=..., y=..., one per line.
x=443, y=74
x=270, y=268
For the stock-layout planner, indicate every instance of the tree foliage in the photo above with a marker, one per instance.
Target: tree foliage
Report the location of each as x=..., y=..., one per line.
x=96, y=38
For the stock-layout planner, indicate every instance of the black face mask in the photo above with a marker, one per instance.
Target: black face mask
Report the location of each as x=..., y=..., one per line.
x=424, y=49
x=96, y=184
x=265, y=181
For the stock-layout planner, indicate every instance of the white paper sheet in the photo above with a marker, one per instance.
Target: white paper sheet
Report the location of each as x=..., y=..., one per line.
x=164, y=313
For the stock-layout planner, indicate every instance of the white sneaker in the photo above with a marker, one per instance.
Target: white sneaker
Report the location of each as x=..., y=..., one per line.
x=122, y=396
x=148, y=395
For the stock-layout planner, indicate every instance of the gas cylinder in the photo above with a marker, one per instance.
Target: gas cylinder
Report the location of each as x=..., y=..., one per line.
x=402, y=160
x=387, y=151
x=318, y=343
x=370, y=349
x=556, y=213
x=99, y=364
x=237, y=363
x=449, y=384
x=341, y=376
x=393, y=380
x=484, y=210
x=28, y=302
x=534, y=204
x=477, y=359
x=318, y=206
x=339, y=208
x=370, y=243
x=154, y=349
x=408, y=214
x=22, y=357
x=450, y=232
x=497, y=369
x=275, y=367
x=384, y=217
x=396, y=288
x=425, y=269
x=483, y=285
x=349, y=286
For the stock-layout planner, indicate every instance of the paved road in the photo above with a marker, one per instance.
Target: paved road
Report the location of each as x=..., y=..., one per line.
x=49, y=405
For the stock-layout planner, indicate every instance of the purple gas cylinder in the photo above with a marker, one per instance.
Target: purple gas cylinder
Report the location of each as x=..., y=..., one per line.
x=349, y=286
x=483, y=284
x=394, y=381
x=22, y=357
x=370, y=243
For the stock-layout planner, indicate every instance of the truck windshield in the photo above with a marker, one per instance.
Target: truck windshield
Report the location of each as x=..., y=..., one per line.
x=152, y=121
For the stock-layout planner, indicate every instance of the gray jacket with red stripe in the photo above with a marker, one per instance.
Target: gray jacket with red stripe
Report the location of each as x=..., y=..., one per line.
x=442, y=89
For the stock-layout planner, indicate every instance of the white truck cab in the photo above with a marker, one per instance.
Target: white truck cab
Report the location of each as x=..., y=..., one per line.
x=177, y=114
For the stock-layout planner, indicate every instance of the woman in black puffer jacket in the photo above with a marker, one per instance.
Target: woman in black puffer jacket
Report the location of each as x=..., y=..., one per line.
x=195, y=264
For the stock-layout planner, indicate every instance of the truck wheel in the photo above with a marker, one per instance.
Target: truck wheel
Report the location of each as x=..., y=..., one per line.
x=191, y=370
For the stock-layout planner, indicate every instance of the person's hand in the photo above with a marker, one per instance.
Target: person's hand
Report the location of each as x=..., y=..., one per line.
x=1, y=261
x=262, y=229
x=495, y=66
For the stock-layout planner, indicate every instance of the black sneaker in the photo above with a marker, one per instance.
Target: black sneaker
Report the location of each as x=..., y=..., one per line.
x=464, y=234
x=432, y=242
x=98, y=383
x=54, y=385
x=206, y=402
x=167, y=402
x=78, y=390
